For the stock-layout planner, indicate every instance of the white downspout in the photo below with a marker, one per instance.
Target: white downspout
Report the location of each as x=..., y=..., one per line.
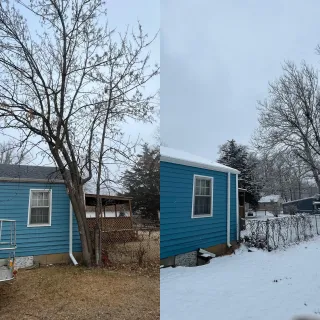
x=71, y=236
x=237, y=206
x=228, y=212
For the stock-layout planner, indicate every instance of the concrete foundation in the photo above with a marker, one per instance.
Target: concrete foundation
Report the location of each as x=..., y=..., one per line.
x=187, y=259
x=190, y=259
x=57, y=258
x=23, y=262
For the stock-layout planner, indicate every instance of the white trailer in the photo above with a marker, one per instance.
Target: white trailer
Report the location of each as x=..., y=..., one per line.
x=7, y=249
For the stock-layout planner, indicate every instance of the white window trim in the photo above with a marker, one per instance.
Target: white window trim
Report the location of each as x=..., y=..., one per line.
x=193, y=195
x=50, y=209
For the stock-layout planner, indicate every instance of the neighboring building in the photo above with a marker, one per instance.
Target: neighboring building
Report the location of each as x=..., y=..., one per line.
x=267, y=203
x=306, y=205
x=37, y=199
x=199, y=207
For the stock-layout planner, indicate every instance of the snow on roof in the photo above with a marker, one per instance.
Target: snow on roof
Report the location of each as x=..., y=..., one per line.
x=187, y=159
x=272, y=197
x=315, y=197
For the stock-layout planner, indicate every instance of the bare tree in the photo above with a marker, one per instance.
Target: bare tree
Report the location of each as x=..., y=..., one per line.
x=282, y=173
x=71, y=84
x=12, y=154
x=290, y=117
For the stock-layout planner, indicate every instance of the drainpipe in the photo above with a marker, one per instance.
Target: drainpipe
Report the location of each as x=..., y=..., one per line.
x=228, y=212
x=70, y=237
x=237, y=207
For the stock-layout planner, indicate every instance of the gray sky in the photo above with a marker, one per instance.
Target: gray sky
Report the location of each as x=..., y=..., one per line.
x=128, y=12
x=216, y=60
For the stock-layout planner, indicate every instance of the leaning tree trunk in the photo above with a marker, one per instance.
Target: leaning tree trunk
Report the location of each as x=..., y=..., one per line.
x=78, y=204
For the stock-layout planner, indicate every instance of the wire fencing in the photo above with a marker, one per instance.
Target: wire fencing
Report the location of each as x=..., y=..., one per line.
x=125, y=241
x=280, y=232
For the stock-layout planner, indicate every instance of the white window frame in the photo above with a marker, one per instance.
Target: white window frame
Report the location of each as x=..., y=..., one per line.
x=193, y=196
x=33, y=225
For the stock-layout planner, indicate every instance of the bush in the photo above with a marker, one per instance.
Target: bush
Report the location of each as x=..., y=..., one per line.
x=292, y=210
x=280, y=232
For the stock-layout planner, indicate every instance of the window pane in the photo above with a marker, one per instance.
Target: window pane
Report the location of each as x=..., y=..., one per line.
x=208, y=183
x=203, y=183
x=46, y=195
x=197, y=182
x=40, y=199
x=39, y=216
x=37, y=195
x=197, y=190
x=202, y=206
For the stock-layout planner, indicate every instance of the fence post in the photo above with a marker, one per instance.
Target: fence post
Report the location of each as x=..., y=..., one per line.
x=97, y=244
x=267, y=234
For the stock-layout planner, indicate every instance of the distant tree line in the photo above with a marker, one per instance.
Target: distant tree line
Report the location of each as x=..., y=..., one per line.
x=279, y=173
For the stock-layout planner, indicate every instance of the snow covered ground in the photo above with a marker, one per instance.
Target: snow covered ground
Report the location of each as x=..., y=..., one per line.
x=248, y=285
x=263, y=215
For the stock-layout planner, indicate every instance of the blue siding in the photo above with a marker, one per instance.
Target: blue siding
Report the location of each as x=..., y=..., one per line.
x=179, y=232
x=14, y=202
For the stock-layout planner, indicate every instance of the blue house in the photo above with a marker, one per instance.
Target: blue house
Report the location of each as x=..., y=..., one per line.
x=46, y=227
x=199, y=207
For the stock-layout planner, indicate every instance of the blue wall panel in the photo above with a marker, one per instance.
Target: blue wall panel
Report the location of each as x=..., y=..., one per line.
x=179, y=232
x=14, y=202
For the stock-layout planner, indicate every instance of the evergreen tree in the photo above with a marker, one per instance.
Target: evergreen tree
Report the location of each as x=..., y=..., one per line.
x=142, y=182
x=237, y=156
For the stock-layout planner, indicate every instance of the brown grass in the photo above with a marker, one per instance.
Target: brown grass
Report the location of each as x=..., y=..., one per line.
x=130, y=252
x=66, y=292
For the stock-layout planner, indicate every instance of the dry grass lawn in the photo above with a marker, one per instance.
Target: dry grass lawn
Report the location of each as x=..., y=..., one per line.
x=66, y=292
x=129, y=252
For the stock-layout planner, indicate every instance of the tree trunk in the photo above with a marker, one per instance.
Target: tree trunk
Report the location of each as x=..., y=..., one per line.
x=97, y=231
x=316, y=178
x=78, y=204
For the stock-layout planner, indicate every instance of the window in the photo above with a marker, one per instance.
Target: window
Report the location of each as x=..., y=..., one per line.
x=202, y=196
x=39, y=208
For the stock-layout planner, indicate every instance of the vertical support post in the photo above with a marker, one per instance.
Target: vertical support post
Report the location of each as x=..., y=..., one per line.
x=130, y=207
x=267, y=234
x=11, y=233
x=228, y=208
x=15, y=233
x=97, y=241
x=237, y=208
x=115, y=210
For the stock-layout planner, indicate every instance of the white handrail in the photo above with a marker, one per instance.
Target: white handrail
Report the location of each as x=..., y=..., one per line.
x=12, y=243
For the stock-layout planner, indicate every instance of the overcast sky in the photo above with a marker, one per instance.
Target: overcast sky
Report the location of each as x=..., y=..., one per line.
x=216, y=60
x=127, y=12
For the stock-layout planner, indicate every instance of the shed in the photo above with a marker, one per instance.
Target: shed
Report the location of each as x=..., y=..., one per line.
x=36, y=197
x=305, y=205
x=267, y=202
x=199, y=206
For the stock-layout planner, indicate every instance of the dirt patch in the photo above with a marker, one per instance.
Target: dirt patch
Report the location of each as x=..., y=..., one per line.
x=66, y=292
